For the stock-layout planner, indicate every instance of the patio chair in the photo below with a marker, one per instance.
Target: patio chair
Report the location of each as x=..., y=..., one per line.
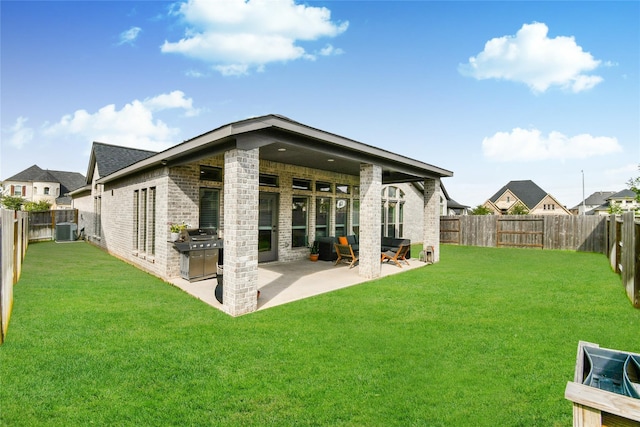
x=346, y=255
x=396, y=257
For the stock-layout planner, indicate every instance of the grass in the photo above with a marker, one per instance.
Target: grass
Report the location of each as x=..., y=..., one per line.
x=486, y=337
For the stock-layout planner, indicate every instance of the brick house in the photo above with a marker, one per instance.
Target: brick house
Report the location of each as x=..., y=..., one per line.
x=535, y=199
x=266, y=182
x=35, y=184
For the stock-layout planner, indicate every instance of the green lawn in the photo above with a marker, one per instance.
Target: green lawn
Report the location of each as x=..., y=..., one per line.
x=486, y=337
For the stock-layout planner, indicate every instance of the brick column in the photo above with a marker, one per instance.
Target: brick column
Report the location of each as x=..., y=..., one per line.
x=240, y=231
x=431, y=228
x=370, y=239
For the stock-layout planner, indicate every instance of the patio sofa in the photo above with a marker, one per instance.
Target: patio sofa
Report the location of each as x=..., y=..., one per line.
x=327, y=252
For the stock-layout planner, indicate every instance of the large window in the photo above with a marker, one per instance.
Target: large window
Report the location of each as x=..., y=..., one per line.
x=144, y=220
x=97, y=209
x=392, y=212
x=323, y=213
x=299, y=222
x=209, y=208
x=342, y=215
x=136, y=219
x=355, y=226
x=151, y=221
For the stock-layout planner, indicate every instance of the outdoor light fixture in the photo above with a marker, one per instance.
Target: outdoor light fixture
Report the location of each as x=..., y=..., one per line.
x=282, y=149
x=330, y=160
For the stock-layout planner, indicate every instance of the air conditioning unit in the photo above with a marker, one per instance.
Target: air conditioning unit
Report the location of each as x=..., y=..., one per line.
x=66, y=232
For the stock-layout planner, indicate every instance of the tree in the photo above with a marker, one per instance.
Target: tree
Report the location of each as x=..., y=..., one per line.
x=481, y=210
x=634, y=185
x=518, y=209
x=615, y=209
x=13, y=203
x=42, y=205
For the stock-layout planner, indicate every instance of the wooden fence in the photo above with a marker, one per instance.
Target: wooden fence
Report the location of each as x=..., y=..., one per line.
x=570, y=232
x=617, y=237
x=623, y=249
x=42, y=224
x=13, y=247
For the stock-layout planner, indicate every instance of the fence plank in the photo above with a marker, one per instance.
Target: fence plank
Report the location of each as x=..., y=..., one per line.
x=13, y=246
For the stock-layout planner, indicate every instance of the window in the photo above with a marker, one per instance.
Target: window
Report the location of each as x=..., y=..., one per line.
x=151, y=225
x=392, y=215
x=17, y=191
x=299, y=222
x=136, y=219
x=301, y=184
x=323, y=187
x=143, y=219
x=97, y=210
x=209, y=208
x=268, y=180
x=342, y=189
x=35, y=190
x=356, y=217
x=210, y=173
x=342, y=214
x=323, y=212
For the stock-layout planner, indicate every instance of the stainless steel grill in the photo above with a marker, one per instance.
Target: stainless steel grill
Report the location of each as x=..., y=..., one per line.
x=200, y=254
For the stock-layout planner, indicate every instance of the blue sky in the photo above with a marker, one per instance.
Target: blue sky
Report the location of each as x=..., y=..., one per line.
x=493, y=91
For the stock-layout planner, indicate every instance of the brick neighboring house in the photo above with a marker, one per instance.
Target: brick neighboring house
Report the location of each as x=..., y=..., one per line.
x=534, y=198
x=35, y=184
x=266, y=182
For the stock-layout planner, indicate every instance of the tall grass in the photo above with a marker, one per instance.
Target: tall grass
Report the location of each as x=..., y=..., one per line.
x=485, y=337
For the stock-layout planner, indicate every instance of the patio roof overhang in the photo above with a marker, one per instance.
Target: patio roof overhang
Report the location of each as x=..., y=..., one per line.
x=285, y=141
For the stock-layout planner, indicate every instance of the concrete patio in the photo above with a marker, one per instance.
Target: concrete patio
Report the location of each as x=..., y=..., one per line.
x=284, y=282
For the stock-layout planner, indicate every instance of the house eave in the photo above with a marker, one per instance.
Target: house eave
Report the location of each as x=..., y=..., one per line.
x=275, y=135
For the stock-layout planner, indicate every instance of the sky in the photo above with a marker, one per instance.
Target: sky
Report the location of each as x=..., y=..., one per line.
x=492, y=91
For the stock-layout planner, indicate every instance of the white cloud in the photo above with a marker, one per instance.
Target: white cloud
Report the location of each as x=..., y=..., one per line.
x=132, y=126
x=530, y=145
x=130, y=35
x=533, y=58
x=18, y=134
x=237, y=36
x=329, y=50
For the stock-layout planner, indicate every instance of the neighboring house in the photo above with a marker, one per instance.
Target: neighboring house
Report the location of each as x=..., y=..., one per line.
x=535, y=199
x=593, y=203
x=268, y=185
x=35, y=184
x=625, y=200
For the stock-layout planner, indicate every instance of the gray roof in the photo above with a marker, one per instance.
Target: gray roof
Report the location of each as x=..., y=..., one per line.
x=527, y=191
x=624, y=194
x=111, y=158
x=68, y=181
x=31, y=174
x=598, y=198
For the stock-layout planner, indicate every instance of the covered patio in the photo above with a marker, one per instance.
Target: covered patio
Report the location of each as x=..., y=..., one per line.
x=283, y=282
